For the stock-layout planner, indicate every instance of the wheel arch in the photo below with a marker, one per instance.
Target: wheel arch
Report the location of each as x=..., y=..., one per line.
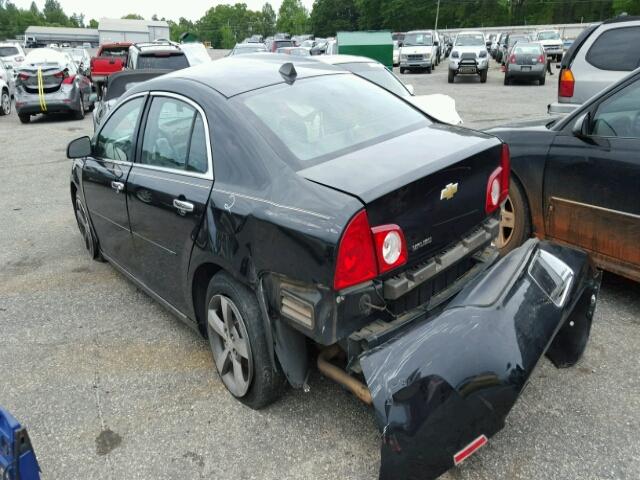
x=525, y=197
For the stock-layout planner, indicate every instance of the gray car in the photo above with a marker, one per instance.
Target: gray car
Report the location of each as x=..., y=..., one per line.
x=48, y=81
x=601, y=55
x=469, y=56
x=525, y=61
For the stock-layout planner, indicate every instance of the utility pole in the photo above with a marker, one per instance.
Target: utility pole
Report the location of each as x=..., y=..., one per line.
x=437, y=14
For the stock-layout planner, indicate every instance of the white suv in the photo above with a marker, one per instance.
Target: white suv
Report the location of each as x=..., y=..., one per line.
x=419, y=51
x=469, y=56
x=12, y=54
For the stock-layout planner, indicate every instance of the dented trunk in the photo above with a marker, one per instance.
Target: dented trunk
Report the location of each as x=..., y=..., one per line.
x=441, y=388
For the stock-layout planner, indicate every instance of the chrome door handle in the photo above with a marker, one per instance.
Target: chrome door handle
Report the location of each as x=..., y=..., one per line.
x=117, y=186
x=182, y=206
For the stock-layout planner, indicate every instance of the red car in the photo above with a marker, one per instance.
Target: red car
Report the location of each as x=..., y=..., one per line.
x=111, y=58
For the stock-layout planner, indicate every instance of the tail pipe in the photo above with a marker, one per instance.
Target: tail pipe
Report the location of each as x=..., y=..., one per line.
x=338, y=375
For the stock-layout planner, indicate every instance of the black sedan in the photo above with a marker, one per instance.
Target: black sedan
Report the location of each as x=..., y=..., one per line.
x=575, y=180
x=288, y=211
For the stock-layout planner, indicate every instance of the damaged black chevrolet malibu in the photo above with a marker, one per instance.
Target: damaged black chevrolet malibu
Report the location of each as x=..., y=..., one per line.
x=293, y=211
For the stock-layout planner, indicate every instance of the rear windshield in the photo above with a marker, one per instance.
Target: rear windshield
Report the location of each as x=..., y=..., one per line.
x=378, y=74
x=514, y=39
x=469, y=40
x=529, y=49
x=418, y=39
x=115, y=52
x=170, y=62
x=8, y=51
x=319, y=118
x=283, y=43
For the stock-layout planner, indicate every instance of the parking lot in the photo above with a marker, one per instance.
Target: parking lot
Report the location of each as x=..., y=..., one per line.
x=112, y=386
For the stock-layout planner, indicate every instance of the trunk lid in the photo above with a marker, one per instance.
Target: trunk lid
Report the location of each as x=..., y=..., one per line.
x=432, y=182
x=52, y=77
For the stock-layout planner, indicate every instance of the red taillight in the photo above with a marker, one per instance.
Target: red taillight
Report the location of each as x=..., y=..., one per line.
x=541, y=59
x=356, y=261
x=498, y=183
x=391, y=247
x=366, y=252
x=69, y=80
x=470, y=449
x=23, y=76
x=512, y=58
x=567, y=83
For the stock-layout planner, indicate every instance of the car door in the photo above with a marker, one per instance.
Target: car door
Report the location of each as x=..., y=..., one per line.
x=167, y=190
x=591, y=182
x=104, y=178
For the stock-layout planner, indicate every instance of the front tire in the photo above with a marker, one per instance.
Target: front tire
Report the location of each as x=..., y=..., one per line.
x=483, y=76
x=24, y=117
x=5, y=103
x=401, y=71
x=451, y=76
x=239, y=345
x=515, y=223
x=84, y=225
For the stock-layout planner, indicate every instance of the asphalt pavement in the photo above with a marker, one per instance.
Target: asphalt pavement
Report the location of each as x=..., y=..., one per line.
x=111, y=386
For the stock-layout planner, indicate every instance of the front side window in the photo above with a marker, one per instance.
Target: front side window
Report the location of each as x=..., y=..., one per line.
x=174, y=136
x=319, y=118
x=619, y=116
x=614, y=50
x=115, y=139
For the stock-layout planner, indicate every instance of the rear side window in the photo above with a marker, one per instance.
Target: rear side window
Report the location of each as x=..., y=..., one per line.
x=616, y=50
x=174, y=136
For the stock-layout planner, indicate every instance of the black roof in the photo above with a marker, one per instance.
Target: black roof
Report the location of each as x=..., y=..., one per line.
x=241, y=73
x=120, y=82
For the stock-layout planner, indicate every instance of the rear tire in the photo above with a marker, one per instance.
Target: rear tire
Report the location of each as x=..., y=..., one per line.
x=483, y=76
x=542, y=80
x=239, y=343
x=515, y=223
x=507, y=80
x=451, y=76
x=79, y=114
x=24, y=117
x=5, y=102
x=429, y=70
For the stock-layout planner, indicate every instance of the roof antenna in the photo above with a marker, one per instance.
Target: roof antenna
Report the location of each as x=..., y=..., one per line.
x=288, y=72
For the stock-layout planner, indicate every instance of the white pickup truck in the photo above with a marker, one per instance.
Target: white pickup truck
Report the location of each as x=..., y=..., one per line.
x=551, y=42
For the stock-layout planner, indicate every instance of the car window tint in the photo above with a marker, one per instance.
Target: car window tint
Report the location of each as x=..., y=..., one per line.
x=611, y=50
x=619, y=115
x=198, y=149
x=168, y=62
x=167, y=133
x=115, y=139
x=318, y=118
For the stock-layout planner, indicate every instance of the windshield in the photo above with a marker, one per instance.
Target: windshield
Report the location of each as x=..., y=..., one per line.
x=470, y=40
x=378, y=74
x=322, y=117
x=170, y=62
x=8, y=51
x=418, y=39
x=548, y=36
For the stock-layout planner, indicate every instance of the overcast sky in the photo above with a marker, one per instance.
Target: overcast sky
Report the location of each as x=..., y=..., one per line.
x=171, y=9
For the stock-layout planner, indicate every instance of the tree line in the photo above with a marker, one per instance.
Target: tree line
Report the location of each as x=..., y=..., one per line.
x=225, y=24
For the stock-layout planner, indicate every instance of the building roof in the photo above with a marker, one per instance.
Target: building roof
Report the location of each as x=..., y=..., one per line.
x=126, y=25
x=61, y=31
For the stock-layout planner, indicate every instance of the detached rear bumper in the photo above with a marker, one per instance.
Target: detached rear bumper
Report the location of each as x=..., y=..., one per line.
x=453, y=379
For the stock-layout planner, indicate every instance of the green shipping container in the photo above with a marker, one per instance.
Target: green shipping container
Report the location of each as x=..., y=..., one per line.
x=375, y=45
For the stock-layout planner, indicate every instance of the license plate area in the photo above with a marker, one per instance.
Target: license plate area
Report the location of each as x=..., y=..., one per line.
x=526, y=68
x=467, y=70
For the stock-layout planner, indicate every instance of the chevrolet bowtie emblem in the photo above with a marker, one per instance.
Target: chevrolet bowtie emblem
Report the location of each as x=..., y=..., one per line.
x=449, y=191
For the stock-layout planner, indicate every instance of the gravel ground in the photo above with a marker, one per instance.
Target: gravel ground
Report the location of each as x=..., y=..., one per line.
x=112, y=386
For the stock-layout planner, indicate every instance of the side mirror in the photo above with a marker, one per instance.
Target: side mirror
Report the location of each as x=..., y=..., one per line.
x=412, y=90
x=79, y=148
x=436, y=43
x=581, y=126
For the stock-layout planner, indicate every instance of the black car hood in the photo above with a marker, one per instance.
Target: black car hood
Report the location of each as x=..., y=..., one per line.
x=374, y=171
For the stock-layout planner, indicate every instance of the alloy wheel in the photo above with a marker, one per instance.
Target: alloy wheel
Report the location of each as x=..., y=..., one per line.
x=507, y=223
x=6, y=103
x=230, y=344
x=84, y=226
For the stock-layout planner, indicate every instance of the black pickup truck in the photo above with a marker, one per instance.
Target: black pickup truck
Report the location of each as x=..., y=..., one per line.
x=296, y=213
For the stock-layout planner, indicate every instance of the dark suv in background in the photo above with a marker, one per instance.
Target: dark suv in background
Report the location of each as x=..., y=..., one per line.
x=156, y=55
